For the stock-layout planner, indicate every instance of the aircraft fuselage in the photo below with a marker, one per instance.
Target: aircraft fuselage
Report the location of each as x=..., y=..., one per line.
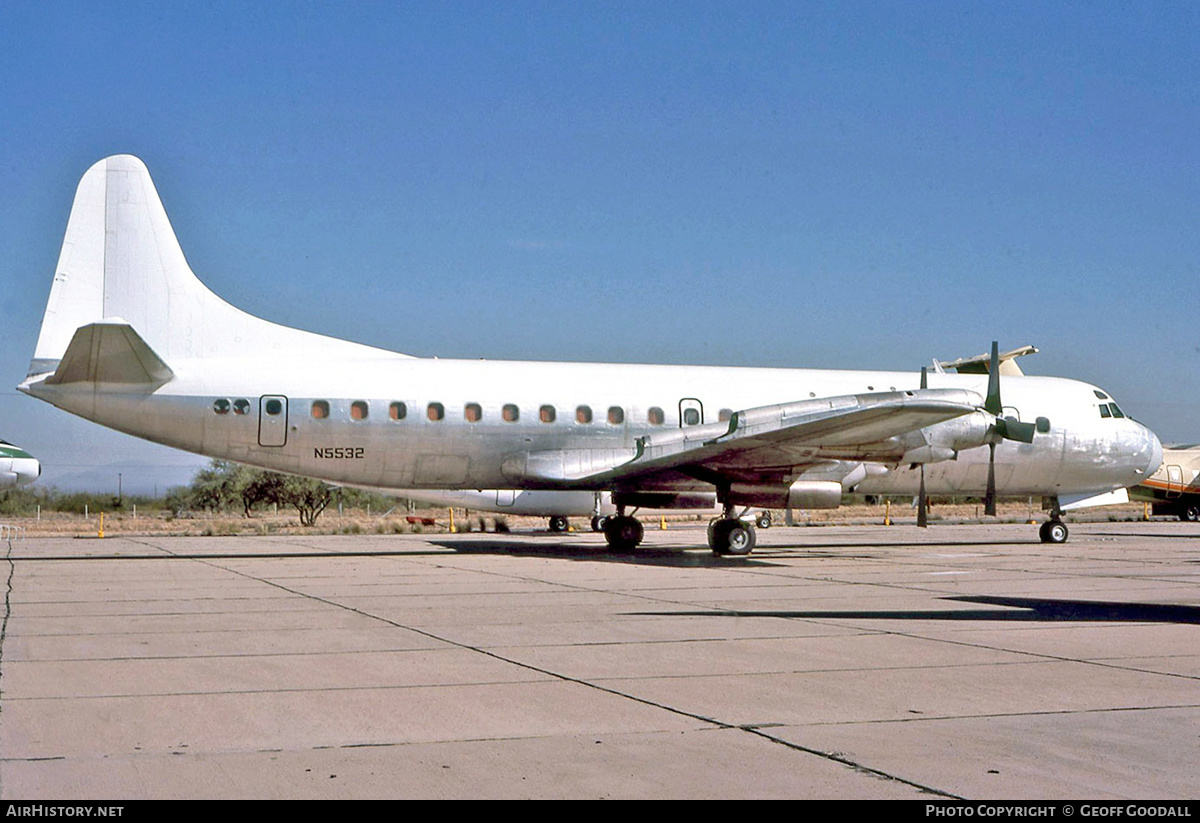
x=458, y=427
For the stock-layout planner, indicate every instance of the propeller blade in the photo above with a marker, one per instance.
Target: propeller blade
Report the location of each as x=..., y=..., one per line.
x=992, y=403
x=922, y=503
x=989, y=499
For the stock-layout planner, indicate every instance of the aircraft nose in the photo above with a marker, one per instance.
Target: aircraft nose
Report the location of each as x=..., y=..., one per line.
x=1152, y=450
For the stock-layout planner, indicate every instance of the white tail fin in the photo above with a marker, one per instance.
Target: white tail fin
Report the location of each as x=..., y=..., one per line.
x=120, y=259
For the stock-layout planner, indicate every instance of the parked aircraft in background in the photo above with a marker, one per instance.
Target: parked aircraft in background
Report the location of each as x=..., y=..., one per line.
x=17, y=466
x=133, y=340
x=1175, y=487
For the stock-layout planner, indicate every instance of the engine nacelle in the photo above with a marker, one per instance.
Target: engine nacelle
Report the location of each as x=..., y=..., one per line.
x=803, y=494
x=665, y=500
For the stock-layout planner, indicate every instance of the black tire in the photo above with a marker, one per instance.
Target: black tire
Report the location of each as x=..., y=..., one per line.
x=559, y=524
x=764, y=520
x=623, y=534
x=598, y=523
x=1054, y=531
x=1190, y=513
x=731, y=537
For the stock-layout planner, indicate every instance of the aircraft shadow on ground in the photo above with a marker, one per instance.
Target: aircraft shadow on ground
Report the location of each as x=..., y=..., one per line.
x=1024, y=610
x=675, y=556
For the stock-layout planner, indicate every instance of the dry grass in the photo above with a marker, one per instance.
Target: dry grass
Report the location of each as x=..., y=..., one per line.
x=359, y=522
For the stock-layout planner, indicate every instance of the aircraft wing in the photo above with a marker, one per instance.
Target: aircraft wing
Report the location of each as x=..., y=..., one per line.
x=769, y=440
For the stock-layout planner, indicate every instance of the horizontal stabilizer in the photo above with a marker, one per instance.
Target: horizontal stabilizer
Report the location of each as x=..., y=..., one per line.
x=981, y=363
x=110, y=352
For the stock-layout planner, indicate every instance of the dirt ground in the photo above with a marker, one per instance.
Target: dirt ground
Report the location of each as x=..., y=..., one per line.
x=433, y=521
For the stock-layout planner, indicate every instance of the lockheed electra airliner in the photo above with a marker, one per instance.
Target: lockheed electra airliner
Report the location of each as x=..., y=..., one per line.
x=133, y=340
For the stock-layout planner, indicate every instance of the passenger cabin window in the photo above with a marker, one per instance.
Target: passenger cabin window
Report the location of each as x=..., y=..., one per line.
x=655, y=416
x=397, y=411
x=583, y=414
x=435, y=411
x=320, y=409
x=221, y=406
x=546, y=414
x=359, y=410
x=724, y=414
x=510, y=413
x=274, y=407
x=241, y=406
x=691, y=417
x=616, y=415
x=473, y=412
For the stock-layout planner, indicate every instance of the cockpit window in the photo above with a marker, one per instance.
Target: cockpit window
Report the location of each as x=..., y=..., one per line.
x=1100, y=394
x=1105, y=411
x=1116, y=412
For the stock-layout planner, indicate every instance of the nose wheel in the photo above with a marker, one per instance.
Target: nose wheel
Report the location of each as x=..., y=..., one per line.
x=1053, y=531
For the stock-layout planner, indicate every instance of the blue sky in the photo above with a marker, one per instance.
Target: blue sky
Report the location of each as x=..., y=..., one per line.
x=850, y=185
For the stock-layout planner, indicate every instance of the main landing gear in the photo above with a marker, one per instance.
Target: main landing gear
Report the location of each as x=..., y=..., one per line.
x=622, y=532
x=731, y=536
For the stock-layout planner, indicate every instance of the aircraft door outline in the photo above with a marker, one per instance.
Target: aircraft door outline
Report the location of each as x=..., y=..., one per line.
x=1174, y=481
x=691, y=412
x=272, y=420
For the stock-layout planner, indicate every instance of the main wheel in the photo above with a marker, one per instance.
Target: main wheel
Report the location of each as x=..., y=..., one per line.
x=559, y=524
x=1190, y=513
x=764, y=520
x=598, y=523
x=731, y=536
x=623, y=534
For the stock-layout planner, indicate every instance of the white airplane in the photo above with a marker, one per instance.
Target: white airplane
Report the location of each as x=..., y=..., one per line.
x=133, y=340
x=1175, y=488
x=17, y=466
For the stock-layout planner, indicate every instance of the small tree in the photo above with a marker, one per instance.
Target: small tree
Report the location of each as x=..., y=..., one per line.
x=308, y=496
